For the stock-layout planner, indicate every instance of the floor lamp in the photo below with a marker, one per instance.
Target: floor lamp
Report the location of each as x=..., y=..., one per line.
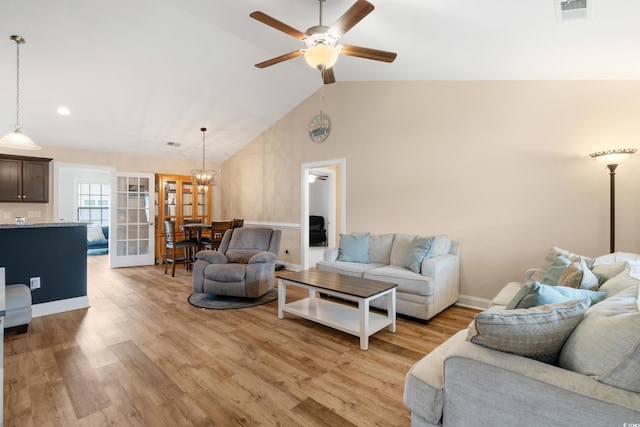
x=612, y=158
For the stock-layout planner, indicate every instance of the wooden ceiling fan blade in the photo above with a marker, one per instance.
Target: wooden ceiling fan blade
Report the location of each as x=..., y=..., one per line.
x=351, y=17
x=328, y=76
x=280, y=26
x=365, y=52
x=280, y=58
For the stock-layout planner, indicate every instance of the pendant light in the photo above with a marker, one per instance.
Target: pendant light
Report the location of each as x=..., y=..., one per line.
x=204, y=176
x=17, y=139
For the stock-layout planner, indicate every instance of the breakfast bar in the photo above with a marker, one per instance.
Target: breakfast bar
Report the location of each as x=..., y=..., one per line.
x=56, y=253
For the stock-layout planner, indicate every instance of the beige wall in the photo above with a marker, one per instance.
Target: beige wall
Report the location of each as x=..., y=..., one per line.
x=502, y=167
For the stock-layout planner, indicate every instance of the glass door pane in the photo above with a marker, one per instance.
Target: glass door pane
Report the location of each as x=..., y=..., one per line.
x=187, y=200
x=132, y=242
x=170, y=199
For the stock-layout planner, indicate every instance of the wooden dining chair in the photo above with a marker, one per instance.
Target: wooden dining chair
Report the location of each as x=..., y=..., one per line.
x=173, y=247
x=217, y=231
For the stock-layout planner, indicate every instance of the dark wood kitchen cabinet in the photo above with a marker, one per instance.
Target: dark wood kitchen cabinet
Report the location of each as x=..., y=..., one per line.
x=24, y=179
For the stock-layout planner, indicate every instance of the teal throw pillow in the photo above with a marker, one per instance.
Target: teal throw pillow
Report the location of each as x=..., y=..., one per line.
x=558, y=266
x=354, y=247
x=536, y=294
x=417, y=252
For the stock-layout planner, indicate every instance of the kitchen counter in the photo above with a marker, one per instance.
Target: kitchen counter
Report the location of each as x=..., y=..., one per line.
x=44, y=224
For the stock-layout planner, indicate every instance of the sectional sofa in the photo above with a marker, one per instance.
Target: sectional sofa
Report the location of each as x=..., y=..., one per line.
x=572, y=361
x=426, y=269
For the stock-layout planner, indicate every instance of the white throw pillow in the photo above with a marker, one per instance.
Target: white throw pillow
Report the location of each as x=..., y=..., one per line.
x=95, y=233
x=606, y=344
x=619, y=283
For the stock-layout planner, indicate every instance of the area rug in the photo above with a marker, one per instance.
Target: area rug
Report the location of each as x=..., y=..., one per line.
x=219, y=302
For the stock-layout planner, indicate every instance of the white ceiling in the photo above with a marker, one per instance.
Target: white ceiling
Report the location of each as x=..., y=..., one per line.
x=139, y=73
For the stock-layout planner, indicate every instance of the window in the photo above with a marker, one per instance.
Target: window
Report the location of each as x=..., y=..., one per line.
x=94, y=203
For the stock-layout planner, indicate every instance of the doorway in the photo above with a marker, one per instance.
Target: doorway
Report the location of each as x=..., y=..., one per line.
x=324, y=198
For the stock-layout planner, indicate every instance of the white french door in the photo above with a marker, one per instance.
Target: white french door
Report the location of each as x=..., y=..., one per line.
x=131, y=238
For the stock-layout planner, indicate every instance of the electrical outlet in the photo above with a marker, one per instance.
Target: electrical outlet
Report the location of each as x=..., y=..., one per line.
x=33, y=214
x=34, y=283
x=7, y=215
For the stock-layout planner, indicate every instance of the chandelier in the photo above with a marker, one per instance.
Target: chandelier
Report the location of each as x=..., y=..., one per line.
x=204, y=176
x=17, y=139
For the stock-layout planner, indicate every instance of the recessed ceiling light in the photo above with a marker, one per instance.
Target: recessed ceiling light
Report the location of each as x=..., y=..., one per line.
x=64, y=111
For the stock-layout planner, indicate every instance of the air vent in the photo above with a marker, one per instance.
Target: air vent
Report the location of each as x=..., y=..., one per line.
x=573, y=9
x=173, y=144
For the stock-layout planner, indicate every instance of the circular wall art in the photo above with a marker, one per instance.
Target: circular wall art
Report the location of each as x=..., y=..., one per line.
x=319, y=128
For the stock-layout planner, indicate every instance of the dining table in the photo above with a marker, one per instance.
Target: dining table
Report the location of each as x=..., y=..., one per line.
x=196, y=228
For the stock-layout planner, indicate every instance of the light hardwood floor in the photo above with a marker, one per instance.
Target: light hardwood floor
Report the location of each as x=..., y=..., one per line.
x=143, y=356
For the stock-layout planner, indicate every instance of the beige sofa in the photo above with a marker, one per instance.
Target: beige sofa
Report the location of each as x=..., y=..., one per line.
x=594, y=379
x=420, y=295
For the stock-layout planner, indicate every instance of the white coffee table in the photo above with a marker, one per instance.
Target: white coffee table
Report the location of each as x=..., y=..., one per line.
x=355, y=321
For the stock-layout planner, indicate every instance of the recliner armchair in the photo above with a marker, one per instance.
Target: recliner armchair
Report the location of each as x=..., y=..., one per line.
x=317, y=232
x=243, y=265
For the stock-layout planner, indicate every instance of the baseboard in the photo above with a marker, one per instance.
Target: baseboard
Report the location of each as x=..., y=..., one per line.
x=53, y=307
x=473, y=302
x=290, y=266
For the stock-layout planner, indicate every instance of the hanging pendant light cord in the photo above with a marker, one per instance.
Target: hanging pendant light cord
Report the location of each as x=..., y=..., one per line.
x=18, y=41
x=203, y=131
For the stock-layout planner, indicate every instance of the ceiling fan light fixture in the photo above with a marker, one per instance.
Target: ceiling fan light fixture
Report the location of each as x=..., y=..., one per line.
x=321, y=55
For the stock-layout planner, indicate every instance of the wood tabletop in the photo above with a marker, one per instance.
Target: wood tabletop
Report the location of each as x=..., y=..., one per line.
x=356, y=286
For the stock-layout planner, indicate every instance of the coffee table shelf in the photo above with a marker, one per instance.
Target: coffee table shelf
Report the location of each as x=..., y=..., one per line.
x=335, y=315
x=357, y=321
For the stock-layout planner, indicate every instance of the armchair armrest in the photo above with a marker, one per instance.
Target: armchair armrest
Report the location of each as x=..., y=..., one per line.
x=212, y=257
x=263, y=257
x=331, y=254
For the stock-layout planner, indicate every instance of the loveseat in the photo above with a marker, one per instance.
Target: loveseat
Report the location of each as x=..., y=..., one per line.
x=567, y=362
x=426, y=269
x=98, y=240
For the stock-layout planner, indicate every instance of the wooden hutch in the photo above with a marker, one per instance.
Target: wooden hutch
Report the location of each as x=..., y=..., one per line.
x=179, y=199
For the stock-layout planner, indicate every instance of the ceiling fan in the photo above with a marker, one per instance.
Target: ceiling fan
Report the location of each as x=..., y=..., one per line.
x=322, y=48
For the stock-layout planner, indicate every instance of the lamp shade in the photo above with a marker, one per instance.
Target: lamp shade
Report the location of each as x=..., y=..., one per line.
x=321, y=55
x=613, y=157
x=18, y=140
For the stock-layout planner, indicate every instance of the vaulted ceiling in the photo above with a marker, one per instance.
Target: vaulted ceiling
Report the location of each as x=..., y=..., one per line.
x=137, y=74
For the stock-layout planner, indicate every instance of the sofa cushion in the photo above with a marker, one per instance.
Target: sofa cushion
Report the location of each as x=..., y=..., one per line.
x=440, y=246
x=536, y=293
x=407, y=280
x=355, y=269
x=401, y=244
x=606, y=345
x=95, y=234
x=619, y=283
x=417, y=252
x=537, y=332
x=354, y=247
x=380, y=248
